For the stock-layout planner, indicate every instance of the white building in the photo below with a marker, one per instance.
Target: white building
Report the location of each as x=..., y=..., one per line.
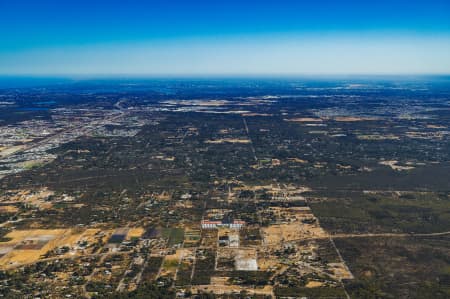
x=236, y=224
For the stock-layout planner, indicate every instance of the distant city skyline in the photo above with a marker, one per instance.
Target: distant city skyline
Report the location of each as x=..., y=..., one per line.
x=182, y=38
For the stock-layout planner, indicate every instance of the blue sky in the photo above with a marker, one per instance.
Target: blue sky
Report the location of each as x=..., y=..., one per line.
x=224, y=37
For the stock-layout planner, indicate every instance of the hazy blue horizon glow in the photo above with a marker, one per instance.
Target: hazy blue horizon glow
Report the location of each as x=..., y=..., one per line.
x=182, y=38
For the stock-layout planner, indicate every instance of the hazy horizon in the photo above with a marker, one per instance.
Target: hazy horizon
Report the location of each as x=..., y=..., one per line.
x=204, y=38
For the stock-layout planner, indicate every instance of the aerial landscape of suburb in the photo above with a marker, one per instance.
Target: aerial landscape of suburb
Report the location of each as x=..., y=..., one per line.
x=225, y=149
x=226, y=189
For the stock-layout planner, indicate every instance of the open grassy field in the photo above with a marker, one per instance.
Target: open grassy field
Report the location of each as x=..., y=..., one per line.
x=174, y=235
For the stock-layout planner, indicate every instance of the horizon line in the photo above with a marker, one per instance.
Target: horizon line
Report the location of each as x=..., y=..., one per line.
x=211, y=75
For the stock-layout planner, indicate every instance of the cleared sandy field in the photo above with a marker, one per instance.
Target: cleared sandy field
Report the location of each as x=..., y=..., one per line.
x=135, y=232
x=279, y=233
x=42, y=240
x=28, y=246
